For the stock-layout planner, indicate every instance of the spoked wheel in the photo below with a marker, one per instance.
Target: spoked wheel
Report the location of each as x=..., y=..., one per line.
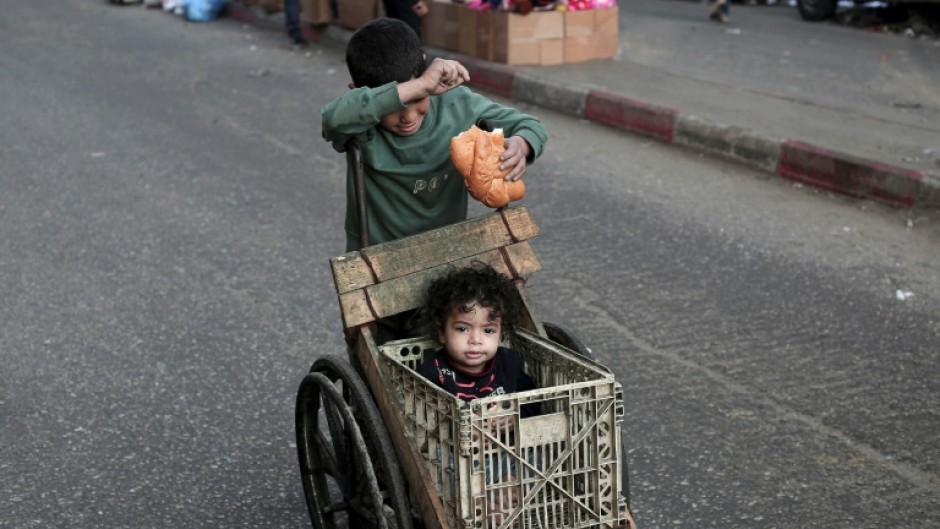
x=562, y=336
x=347, y=462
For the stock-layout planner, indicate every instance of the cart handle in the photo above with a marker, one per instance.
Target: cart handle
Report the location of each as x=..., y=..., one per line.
x=354, y=160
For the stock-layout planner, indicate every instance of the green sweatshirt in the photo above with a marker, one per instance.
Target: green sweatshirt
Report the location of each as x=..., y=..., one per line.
x=411, y=184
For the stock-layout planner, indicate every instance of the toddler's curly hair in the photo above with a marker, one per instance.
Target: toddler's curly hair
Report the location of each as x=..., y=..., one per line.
x=479, y=282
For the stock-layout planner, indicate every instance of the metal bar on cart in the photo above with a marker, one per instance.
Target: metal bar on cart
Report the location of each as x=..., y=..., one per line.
x=354, y=160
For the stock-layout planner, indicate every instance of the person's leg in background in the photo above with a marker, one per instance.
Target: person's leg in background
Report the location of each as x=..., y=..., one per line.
x=292, y=21
x=721, y=12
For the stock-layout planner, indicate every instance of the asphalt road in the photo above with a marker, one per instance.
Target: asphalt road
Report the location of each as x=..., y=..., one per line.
x=167, y=210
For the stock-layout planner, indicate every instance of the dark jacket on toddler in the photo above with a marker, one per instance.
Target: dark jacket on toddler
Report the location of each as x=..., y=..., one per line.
x=503, y=374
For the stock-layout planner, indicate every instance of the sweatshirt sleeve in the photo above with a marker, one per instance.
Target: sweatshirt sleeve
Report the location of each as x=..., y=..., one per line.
x=359, y=111
x=513, y=123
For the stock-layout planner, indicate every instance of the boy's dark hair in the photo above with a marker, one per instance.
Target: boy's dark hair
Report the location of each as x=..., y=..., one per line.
x=479, y=282
x=382, y=51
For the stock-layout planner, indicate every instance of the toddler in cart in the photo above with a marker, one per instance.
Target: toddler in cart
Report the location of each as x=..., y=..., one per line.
x=470, y=310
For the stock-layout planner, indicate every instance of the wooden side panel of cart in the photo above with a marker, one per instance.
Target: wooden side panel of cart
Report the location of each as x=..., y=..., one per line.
x=390, y=278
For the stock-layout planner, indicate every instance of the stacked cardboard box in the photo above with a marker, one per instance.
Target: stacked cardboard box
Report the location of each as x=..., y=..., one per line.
x=354, y=13
x=315, y=11
x=440, y=27
x=539, y=37
x=591, y=34
x=535, y=38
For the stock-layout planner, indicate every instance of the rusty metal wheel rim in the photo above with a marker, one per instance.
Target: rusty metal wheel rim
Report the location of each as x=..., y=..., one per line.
x=357, y=456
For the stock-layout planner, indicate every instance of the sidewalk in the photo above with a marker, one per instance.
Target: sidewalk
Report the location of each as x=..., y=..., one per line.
x=823, y=146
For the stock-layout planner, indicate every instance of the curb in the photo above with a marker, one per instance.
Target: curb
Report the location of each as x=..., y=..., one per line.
x=788, y=158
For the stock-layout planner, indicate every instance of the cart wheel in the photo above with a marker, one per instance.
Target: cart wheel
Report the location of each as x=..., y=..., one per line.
x=347, y=462
x=562, y=336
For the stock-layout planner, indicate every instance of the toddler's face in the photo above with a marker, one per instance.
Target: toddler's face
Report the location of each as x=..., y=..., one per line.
x=470, y=338
x=407, y=121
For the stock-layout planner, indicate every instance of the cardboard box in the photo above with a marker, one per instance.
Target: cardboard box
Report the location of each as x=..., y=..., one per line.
x=590, y=48
x=551, y=51
x=544, y=24
x=432, y=25
x=534, y=25
x=440, y=27
x=354, y=13
x=600, y=43
x=467, y=24
x=451, y=27
x=534, y=38
x=608, y=45
x=580, y=49
x=542, y=37
x=475, y=32
x=606, y=21
x=579, y=23
x=522, y=52
x=316, y=12
x=486, y=40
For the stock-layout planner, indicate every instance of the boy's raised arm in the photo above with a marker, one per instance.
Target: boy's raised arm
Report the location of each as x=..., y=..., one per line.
x=439, y=77
x=358, y=111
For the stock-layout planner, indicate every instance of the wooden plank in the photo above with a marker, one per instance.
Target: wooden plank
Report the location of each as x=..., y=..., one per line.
x=355, y=308
x=409, y=458
x=529, y=319
x=450, y=243
x=523, y=258
x=408, y=255
x=406, y=293
x=350, y=272
x=521, y=223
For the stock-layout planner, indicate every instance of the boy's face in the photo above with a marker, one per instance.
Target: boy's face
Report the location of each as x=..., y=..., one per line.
x=470, y=338
x=407, y=121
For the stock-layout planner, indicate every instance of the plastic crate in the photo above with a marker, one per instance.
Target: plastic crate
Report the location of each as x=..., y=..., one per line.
x=561, y=468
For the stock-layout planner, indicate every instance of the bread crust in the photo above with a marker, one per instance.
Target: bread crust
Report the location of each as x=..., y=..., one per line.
x=475, y=153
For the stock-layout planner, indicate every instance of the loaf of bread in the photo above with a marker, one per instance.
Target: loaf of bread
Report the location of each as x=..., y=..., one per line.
x=475, y=154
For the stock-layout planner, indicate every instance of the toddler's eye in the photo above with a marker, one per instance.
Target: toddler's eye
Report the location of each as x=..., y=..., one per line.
x=490, y=330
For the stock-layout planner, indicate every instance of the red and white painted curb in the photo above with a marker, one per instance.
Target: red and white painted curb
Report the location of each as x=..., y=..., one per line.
x=789, y=158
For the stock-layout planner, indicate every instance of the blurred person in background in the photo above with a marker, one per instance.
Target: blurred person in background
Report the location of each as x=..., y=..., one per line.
x=721, y=12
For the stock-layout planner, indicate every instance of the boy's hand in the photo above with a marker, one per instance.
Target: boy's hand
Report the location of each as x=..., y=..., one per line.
x=439, y=77
x=443, y=75
x=420, y=8
x=517, y=150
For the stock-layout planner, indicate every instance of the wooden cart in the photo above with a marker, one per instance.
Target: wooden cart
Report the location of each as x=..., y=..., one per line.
x=381, y=447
